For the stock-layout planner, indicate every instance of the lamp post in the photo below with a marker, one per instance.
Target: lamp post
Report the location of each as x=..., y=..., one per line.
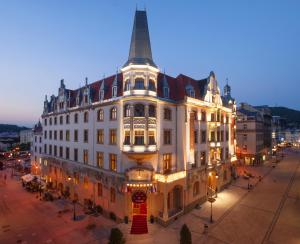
x=74, y=200
x=217, y=177
x=211, y=200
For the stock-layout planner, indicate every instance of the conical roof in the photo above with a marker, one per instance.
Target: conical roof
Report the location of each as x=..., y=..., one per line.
x=140, y=46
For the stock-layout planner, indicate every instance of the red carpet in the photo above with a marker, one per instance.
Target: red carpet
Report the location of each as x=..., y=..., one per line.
x=139, y=224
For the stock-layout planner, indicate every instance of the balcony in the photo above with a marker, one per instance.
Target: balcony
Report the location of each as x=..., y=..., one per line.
x=140, y=92
x=139, y=152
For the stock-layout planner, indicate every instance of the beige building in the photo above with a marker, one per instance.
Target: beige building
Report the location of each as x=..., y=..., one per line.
x=139, y=143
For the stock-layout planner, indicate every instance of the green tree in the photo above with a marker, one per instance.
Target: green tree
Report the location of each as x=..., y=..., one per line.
x=185, y=235
x=116, y=237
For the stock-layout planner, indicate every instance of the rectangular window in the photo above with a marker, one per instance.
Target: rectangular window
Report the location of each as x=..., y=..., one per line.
x=167, y=114
x=55, y=150
x=222, y=135
x=86, y=136
x=151, y=138
x=227, y=136
x=67, y=135
x=127, y=138
x=203, y=116
x=45, y=122
x=203, y=136
x=75, y=154
x=85, y=156
x=55, y=120
x=212, y=117
x=100, y=191
x=50, y=134
x=75, y=135
x=227, y=119
x=226, y=153
x=113, y=136
x=113, y=162
x=167, y=137
x=55, y=135
x=196, y=136
x=100, y=160
x=218, y=136
x=50, y=149
x=67, y=153
x=245, y=126
x=167, y=163
x=212, y=136
x=194, y=165
x=61, y=135
x=203, y=158
x=45, y=148
x=60, y=151
x=139, y=137
x=100, y=136
x=61, y=120
x=45, y=135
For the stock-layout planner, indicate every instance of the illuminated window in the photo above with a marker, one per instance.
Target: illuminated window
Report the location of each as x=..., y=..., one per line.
x=203, y=116
x=139, y=137
x=100, y=136
x=86, y=117
x=113, y=113
x=100, y=159
x=203, y=158
x=167, y=162
x=212, y=117
x=127, y=138
x=227, y=135
x=167, y=114
x=86, y=136
x=100, y=115
x=100, y=190
x=113, y=162
x=112, y=194
x=85, y=156
x=151, y=137
x=113, y=136
x=127, y=110
x=196, y=188
x=167, y=137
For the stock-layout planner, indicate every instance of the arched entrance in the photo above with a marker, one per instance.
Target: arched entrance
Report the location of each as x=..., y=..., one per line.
x=139, y=213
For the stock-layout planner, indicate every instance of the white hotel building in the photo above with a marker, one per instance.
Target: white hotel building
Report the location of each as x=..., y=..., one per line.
x=140, y=143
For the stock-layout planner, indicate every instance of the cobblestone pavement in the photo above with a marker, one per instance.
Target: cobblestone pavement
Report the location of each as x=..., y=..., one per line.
x=268, y=213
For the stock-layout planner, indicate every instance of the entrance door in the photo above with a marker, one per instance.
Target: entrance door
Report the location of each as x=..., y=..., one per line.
x=139, y=213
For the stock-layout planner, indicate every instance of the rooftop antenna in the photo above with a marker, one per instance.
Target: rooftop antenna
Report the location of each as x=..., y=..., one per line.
x=227, y=81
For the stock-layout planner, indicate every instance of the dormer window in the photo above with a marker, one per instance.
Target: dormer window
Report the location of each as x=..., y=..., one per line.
x=166, y=92
x=190, y=91
x=77, y=100
x=86, y=98
x=127, y=85
x=114, y=91
x=101, y=95
x=139, y=84
x=151, y=85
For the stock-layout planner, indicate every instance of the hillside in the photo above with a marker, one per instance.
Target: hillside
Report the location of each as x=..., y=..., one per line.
x=11, y=128
x=292, y=116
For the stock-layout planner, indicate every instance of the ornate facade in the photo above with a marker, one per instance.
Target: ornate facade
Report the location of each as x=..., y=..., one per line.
x=140, y=143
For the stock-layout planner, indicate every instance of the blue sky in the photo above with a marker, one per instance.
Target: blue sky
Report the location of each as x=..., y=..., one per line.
x=253, y=43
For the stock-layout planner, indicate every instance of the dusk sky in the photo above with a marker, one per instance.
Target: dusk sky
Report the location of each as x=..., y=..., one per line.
x=256, y=44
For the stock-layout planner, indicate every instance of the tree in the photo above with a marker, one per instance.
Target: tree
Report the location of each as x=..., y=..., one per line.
x=185, y=235
x=116, y=237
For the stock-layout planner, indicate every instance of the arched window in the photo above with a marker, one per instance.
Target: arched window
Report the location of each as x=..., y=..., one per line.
x=127, y=85
x=139, y=110
x=113, y=113
x=86, y=117
x=151, y=85
x=76, y=118
x=101, y=95
x=112, y=194
x=190, y=91
x=67, y=119
x=152, y=111
x=114, y=91
x=196, y=188
x=100, y=115
x=166, y=92
x=139, y=84
x=127, y=111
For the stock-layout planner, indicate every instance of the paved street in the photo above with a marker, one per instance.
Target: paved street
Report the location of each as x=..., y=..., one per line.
x=269, y=213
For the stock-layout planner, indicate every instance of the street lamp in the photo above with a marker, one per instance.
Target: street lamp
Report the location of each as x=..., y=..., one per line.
x=211, y=200
x=74, y=201
x=217, y=177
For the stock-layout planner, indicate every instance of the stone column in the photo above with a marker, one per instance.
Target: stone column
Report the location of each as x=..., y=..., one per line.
x=165, y=213
x=146, y=124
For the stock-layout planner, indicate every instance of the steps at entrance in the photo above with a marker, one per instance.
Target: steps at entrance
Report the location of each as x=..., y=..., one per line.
x=139, y=224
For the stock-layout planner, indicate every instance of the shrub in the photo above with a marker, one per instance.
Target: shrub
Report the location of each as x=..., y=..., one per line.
x=185, y=235
x=112, y=216
x=116, y=237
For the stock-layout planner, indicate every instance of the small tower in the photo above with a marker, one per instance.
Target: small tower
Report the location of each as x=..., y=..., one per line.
x=227, y=90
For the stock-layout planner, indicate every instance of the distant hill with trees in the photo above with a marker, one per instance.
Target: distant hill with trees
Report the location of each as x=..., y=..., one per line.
x=11, y=128
x=292, y=116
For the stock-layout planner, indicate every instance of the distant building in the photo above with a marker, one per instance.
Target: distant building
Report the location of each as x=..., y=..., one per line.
x=278, y=129
x=26, y=136
x=36, y=147
x=254, y=134
x=140, y=142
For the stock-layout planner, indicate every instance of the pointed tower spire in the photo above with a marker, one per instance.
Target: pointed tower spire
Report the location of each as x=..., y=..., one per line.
x=140, y=47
